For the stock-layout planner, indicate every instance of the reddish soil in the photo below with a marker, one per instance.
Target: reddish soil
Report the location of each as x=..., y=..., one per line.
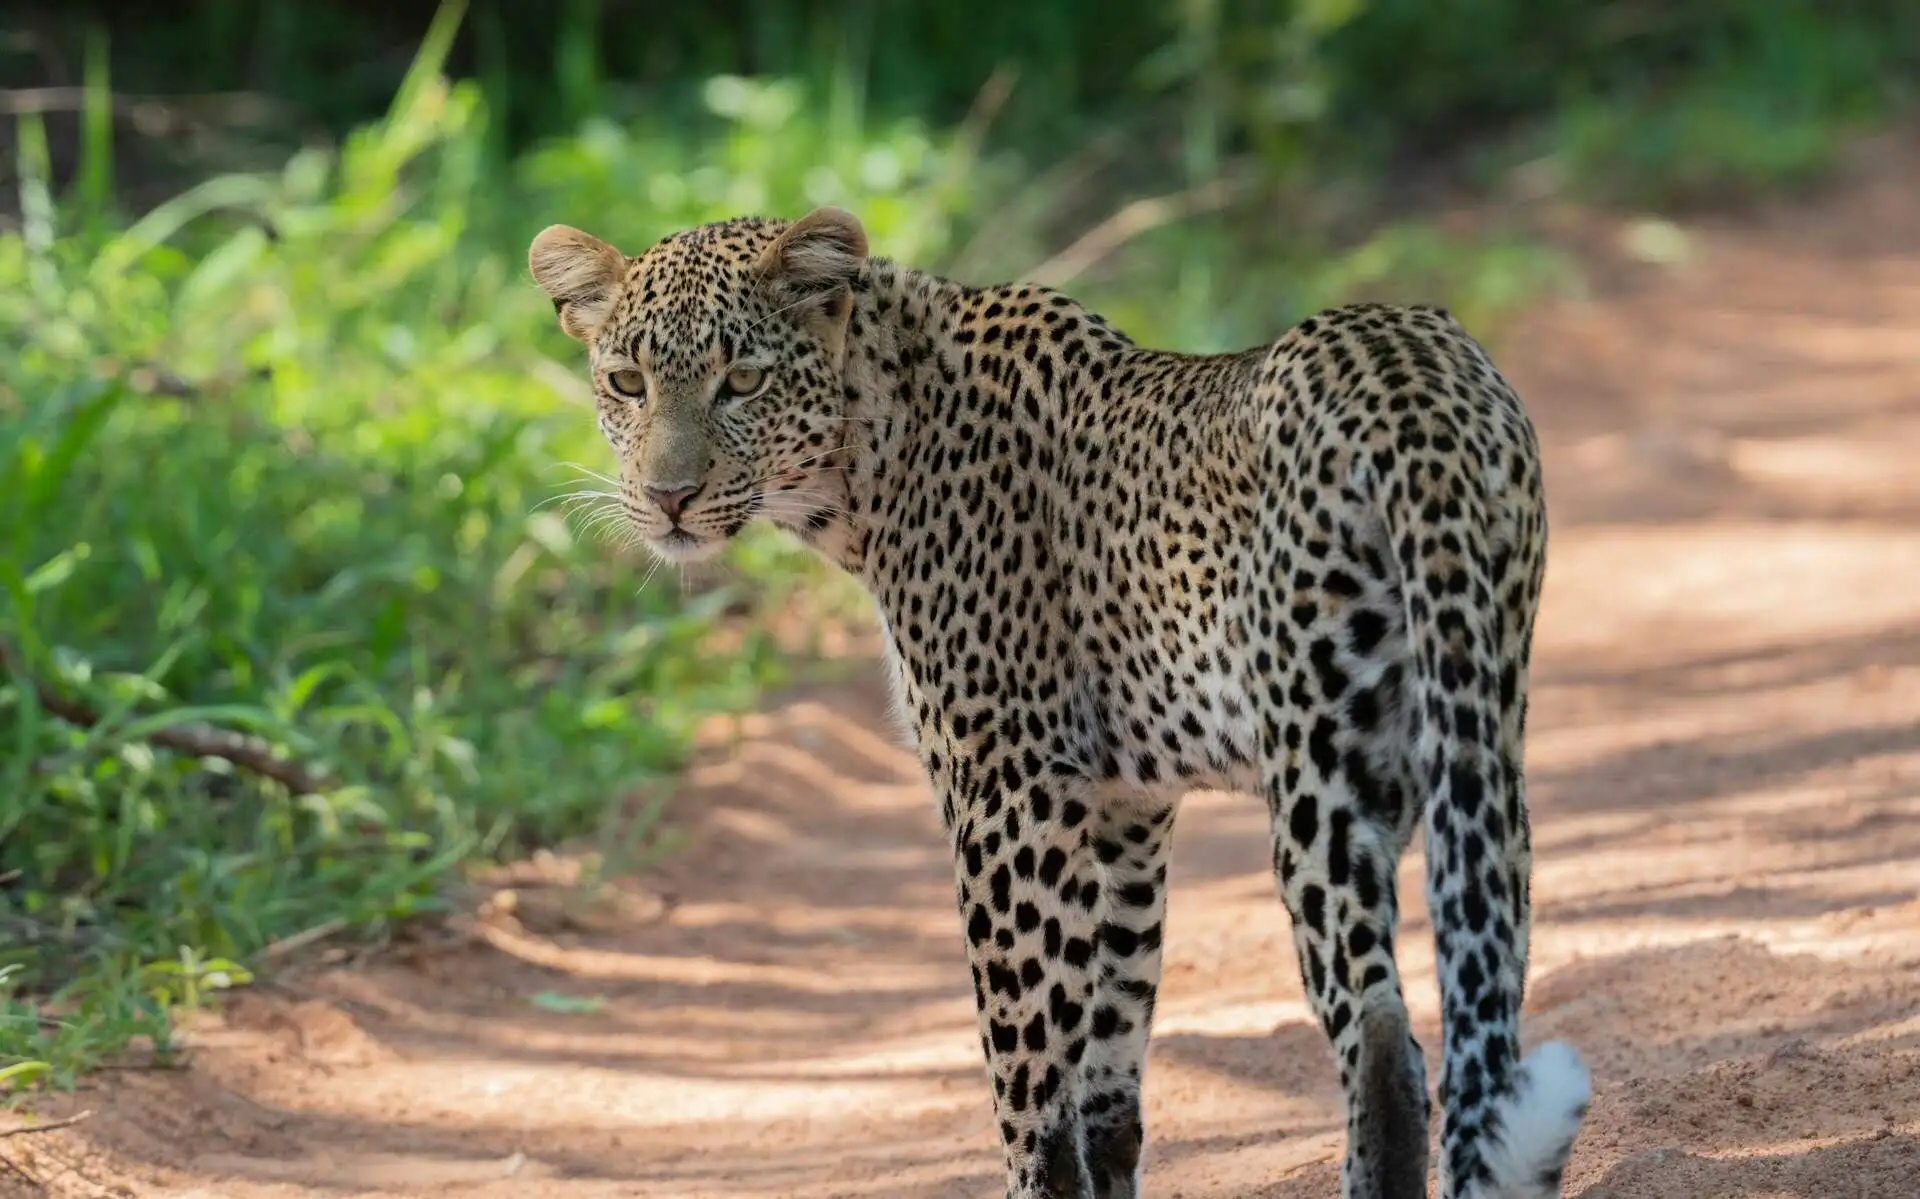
x=1725, y=770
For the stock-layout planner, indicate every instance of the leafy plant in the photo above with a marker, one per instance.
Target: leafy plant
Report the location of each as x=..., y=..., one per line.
x=290, y=625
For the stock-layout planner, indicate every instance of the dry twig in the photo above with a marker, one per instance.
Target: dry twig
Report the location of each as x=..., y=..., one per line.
x=1136, y=218
x=197, y=740
x=51, y=1126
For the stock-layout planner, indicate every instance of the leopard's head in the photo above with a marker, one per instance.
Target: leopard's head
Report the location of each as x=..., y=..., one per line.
x=718, y=363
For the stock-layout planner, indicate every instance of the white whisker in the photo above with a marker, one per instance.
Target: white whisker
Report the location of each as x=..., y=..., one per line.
x=575, y=500
x=815, y=457
x=586, y=472
x=653, y=570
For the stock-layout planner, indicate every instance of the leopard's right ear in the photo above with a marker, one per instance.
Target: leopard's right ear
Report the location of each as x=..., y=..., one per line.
x=580, y=273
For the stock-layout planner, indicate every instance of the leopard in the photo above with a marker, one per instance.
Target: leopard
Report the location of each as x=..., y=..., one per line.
x=1106, y=576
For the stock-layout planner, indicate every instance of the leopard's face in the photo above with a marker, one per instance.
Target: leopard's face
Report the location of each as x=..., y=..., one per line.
x=717, y=360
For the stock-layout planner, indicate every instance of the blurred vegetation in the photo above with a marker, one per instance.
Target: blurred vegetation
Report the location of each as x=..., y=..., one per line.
x=1651, y=86
x=303, y=612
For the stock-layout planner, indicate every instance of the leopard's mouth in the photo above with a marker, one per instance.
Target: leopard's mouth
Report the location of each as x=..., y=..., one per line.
x=679, y=545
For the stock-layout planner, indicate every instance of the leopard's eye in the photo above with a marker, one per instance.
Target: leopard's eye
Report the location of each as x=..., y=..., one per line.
x=743, y=381
x=629, y=383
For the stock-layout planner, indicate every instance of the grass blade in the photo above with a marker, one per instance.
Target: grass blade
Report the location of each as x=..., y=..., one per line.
x=96, y=139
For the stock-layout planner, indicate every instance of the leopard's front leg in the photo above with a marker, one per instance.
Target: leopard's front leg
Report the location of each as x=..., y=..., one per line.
x=1028, y=889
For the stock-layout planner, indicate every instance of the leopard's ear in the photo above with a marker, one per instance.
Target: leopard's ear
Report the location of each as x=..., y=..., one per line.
x=580, y=273
x=813, y=265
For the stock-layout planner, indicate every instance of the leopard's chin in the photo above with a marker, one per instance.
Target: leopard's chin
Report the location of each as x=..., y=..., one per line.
x=683, y=548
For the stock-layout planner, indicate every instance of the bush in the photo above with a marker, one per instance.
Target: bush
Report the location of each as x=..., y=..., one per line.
x=292, y=624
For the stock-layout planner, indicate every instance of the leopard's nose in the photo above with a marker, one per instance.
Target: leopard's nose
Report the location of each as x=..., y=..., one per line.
x=672, y=500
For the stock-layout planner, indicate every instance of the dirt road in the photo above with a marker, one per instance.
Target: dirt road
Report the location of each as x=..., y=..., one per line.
x=1725, y=768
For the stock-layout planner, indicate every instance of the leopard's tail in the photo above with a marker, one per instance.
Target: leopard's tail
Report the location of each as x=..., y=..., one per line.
x=1508, y=1122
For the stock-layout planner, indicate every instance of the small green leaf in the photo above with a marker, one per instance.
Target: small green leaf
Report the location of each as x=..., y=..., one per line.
x=22, y=1073
x=572, y=1005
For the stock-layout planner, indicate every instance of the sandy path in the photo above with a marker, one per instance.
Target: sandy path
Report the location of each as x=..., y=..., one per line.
x=1725, y=769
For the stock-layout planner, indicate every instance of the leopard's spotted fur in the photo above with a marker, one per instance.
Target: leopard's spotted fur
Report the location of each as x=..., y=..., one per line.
x=1110, y=575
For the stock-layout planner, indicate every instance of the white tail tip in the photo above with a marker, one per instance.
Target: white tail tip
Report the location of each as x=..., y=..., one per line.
x=1527, y=1152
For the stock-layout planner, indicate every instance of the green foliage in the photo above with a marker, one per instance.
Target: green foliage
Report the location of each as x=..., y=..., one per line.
x=53, y=1041
x=548, y=67
x=280, y=459
x=1755, y=88
x=1414, y=71
x=1768, y=102
x=760, y=147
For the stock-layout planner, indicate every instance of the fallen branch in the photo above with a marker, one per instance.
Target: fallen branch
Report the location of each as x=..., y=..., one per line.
x=301, y=940
x=150, y=114
x=1141, y=216
x=54, y=1126
x=194, y=739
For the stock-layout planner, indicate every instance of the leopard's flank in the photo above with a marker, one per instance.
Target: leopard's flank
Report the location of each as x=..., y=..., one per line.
x=1110, y=575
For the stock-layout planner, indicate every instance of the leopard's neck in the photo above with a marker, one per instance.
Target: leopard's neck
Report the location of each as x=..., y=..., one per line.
x=928, y=364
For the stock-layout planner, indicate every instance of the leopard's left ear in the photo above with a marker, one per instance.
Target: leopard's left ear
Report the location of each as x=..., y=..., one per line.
x=813, y=265
x=580, y=273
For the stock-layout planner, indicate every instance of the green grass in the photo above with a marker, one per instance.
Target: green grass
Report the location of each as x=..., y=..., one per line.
x=280, y=460
x=1644, y=102
x=1771, y=113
